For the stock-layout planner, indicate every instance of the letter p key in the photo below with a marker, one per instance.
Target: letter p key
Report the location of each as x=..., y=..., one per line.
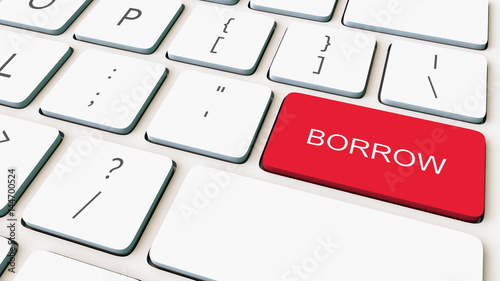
x=127, y=16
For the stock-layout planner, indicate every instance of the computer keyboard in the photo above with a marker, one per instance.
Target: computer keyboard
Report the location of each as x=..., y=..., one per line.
x=249, y=140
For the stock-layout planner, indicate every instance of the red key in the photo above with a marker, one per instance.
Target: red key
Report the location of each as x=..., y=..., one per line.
x=416, y=163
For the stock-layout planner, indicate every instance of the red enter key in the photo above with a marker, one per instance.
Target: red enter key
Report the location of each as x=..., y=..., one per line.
x=408, y=161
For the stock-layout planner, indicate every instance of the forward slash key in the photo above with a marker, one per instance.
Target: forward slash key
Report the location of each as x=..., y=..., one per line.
x=4, y=138
x=416, y=163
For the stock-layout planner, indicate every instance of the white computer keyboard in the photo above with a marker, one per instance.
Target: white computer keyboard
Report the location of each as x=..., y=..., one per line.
x=236, y=140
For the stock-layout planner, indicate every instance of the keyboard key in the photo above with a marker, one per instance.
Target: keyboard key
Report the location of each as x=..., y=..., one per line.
x=52, y=17
x=324, y=59
x=219, y=219
x=464, y=25
x=211, y=115
x=20, y=78
x=110, y=208
x=121, y=24
x=221, y=38
x=436, y=80
x=227, y=2
x=8, y=248
x=47, y=266
x=25, y=147
x=108, y=91
x=416, y=163
x=319, y=10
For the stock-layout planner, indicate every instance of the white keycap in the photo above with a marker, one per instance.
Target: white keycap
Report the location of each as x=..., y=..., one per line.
x=134, y=25
x=435, y=80
x=8, y=248
x=227, y=2
x=100, y=194
x=319, y=10
x=105, y=90
x=219, y=219
x=21, y=79
x=457, y=22
x=47, y=266
x=325, y=59
x=211, y=115
x=24, y=149
x=52, y=17
x=221, y=38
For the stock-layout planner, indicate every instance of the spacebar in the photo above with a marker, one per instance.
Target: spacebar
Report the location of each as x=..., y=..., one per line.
x=416, y=163
x=222, y=226
x=466, y=20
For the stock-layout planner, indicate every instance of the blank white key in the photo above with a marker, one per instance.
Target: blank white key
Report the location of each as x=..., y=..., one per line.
x=457, y=22
x=134, y=25
x=47, y=266
x=24, y=149
x=108, y=91
x=440, y=81
x=319, y=10
x=221, y=38
x=47, y=16
x=111, y=206
x=26, y=65
x=211, y=115
x=325, y=59
x=227, y=2
x=219, y=219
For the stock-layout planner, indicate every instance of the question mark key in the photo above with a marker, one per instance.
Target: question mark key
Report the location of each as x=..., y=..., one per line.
x=91, y=187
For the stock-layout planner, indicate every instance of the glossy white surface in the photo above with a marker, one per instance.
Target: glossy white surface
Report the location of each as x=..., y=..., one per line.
x=112, y=23
x=325, y=59
x=105, y=91
x=456, y=22
x=222, y=226
x=19, y=83
x=136, y=265
x=436, y=80
x=47, y=266
x=224, y=39
x=318, y=10
x=25, y=147
x=213, y=116
x=45, y=16
x=97, y=195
